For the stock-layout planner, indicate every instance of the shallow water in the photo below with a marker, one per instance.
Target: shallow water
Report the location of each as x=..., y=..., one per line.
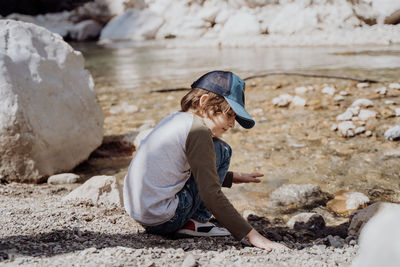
x=288, y=145
x=131, y=68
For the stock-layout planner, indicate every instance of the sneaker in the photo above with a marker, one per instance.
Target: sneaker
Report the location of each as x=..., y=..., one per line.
x=195, y=228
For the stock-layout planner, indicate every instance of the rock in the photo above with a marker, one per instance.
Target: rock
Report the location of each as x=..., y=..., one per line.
x=132, y=25
x=379, y=239
x=50, y=120
x=189, y=261
x=390, y=102
x=141, y=136
x=377, y=11
x=240, y=24
x=298, y=101
x=338, y=98
x=336, y=241
x=397, y=112
x=362, y=102
x=365, y=114
x=368, y=133
x=359, y=218
x=393, y=133
x=362, y=85
x=306, y=220
x=301, y=90
x=63, y=178
x=99, y=190
x=354, y=110
x=346, y=128
x=345, y=116
x=283, y=100
x=298, y=195
x=394, y=86
x=329, y=90
x=86, y=30
x=359, y=130
x=334, y=127
x=343, y=93
x=381, y=90
x=346, y=202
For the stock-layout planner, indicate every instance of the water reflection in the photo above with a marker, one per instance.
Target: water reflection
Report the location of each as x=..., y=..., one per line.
x=147, y=68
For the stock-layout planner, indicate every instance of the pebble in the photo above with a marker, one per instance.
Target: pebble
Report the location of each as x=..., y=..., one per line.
x=343, y=93
x=392, y=133
x=362, y=102
x=397, y=111
x=381, y=90
x=345, y=116
x=63, y=178
x=389, y=102
x=366, y=114
x=338, y=98
x=189, y=261
x=346, y=128
x=394, y=86
x=362, y=85
x=298, y=101
x=283, y=100
x=329, y=90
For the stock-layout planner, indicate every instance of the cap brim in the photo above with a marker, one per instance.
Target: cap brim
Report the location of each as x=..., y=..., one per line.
x=242, y=116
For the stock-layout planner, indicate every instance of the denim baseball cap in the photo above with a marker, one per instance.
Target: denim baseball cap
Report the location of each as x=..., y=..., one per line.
x=231, y=87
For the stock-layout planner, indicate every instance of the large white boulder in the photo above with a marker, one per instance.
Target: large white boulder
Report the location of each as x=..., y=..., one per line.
x=132, y=25
x=240, y=24
x=379, y=240
x=377, y=11
x=50, y=120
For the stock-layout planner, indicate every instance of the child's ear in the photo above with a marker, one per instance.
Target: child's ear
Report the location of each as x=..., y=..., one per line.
x=203, y=99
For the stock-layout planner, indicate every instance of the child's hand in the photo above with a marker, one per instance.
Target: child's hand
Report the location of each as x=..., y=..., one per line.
x=260, y=241
x=239, y=177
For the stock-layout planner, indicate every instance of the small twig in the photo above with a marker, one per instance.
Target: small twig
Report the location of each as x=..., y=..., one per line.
x=169, y=90
x=311, y=75
x=278, y=73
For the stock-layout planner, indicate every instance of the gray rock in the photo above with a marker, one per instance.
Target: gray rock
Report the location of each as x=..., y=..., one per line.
x=306, y=220
x=336, y=241
x=63, y=178
x=359, y=218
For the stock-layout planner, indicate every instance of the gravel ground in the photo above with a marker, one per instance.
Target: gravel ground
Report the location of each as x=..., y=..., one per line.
x=38, y=229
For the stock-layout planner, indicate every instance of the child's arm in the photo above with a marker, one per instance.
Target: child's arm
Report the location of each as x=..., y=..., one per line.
x=239, y=177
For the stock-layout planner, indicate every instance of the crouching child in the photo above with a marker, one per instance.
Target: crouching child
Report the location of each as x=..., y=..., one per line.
x=173, y=184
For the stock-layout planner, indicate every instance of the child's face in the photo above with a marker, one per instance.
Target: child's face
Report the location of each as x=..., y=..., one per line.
x=220, y=123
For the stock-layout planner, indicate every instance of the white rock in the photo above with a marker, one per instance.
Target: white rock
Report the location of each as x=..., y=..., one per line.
x=355, y=200
x=298, y=101
x=98, y=189
x=362, y=85
x=390, y=102
x=381, y=90
x=393, y=133
x=368, y=133
x=132, y=25
x=283, y=100
x=362, y=122
x=346, y=128
x=343, y=93
x=359, y=130
x=362, y=102
x=354, y=110
x=301, y=90
x=379, y=239
x=50, y=120
x=85, y=30
x=366, y=114
x=397, y=111
x=345, y=116
x=141, y=136
x=63, y=178
x=288, y=194
x=329, y=90
x=334, y=127
x=394, y=86
x=338, y=98
x=240, y=24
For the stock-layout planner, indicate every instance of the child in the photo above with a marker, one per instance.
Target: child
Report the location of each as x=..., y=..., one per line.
x=174, y=181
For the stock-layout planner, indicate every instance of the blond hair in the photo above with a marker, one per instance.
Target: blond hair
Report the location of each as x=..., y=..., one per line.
x=215, y=103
